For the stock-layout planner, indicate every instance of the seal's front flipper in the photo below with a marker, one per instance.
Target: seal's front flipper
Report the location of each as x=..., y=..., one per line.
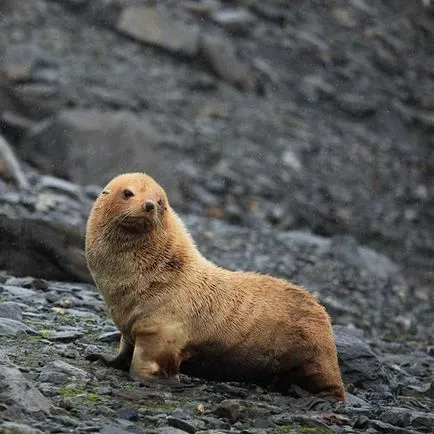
x=122, y=361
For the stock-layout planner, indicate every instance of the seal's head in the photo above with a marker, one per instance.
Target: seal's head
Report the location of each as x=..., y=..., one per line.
x=131, y=203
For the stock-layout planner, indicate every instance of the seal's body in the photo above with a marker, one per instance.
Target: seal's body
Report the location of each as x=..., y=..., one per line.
x=178, y=311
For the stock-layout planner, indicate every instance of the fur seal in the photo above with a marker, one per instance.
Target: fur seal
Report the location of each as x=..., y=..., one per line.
x=179, y=312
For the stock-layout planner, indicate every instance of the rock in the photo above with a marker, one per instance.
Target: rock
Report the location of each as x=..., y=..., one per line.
x=11, y=310
x=220, y=55
x=230, y=390
x=187, y=425
x=170, y=430
x=17, y=428
x=15, y=390
x=128, y=414
x=66, y=336
x=83, y=146
x=60, y=372
x=10, y=166
x=357, y=105
x=230, y=409
x=59, y=185
x=12, y=328
x=19, y=61
x=359, y=365
x=156, y=27
x=112, y=336
x=236, y=21
x=48, y=250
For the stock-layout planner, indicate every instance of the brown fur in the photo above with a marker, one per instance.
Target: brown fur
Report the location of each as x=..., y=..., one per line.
x=175, y=309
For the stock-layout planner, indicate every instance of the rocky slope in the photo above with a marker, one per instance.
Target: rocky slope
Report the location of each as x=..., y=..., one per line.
x=294, y=139
x=328, y=109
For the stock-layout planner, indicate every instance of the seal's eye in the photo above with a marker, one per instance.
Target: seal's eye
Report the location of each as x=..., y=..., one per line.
x=126, y=194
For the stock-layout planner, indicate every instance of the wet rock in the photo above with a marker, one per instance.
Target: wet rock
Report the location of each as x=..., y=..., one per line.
x=359, y=365
x=60, y=372
x=47, y=250
x=19, y=61
x=357, y=105
x=111, y=336
x=11, y=310
x=236, y=21
x=230, y=409
x=83, y=146
x=18, y=428
x=230, y=390
x=221, y=57
x=156, y=27
x=170, y=430
x=187, y=425
x=128, y=414
x=66, y=336
x=60, y=185
x=10, y=167
x=11, y=327
x=17, y=391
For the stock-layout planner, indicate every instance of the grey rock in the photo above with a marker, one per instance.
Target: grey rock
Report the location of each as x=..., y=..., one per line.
x=19, y=61
x=112, y=336
x=128, y=414
x=345, y=249
x=11, y=328
x=359, y=365
x=170, y=430
x=156, y=27
x=15, y=389
x=224, y=62
x=11, y=310
x=357, y=105
x=237, y=21
x=66, y=336
x=60, y=372
x=230, y=390
x=230, y=409
x=18, y=428
x=47, y=249
x=83, y=146
x=188, y=425
x=58, y=184
x=10, y=166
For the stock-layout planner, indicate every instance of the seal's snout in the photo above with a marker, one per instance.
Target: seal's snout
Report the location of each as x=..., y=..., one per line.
x=149, y=206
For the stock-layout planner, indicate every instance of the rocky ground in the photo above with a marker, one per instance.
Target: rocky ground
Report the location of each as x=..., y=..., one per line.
x=293, y=138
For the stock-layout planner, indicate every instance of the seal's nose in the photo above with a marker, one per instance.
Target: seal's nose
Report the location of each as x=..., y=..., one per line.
x=149, y=205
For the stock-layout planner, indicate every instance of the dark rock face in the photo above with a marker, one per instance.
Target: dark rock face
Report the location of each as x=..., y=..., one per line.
x=293, y=139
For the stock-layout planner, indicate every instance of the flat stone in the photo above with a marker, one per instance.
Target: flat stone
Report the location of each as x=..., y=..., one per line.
x=60, y=372
x=11, y=328
x=188, y=425
x=112, y=336
x=66, y=336
x=11, y=310
x=237, y=20
x=15, y=389
x=170, y=430
x=224, y=62
x=17, y=428
x=156, y=27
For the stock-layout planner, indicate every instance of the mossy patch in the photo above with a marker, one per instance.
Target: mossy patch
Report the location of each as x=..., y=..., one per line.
x=295, y=429
x=74, y=391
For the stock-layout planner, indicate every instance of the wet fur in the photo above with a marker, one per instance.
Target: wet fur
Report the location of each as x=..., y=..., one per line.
x=178, y=311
